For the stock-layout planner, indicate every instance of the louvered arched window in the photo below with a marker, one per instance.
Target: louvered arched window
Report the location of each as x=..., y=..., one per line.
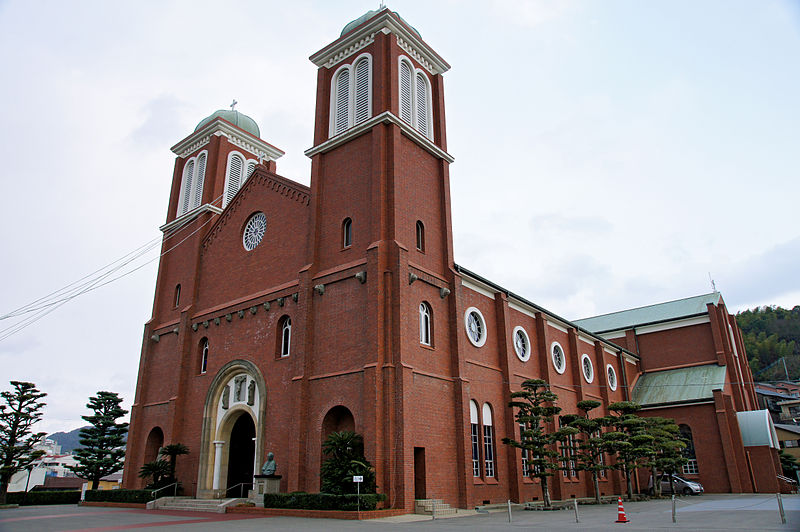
x=239, y=170
x=194, y=172
x=415, y=98
x=286, y=335
x=351, y=95
x=420, y=236
x=347, y=233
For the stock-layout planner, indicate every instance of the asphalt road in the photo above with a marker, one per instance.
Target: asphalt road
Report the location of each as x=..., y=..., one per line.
x=706, y=512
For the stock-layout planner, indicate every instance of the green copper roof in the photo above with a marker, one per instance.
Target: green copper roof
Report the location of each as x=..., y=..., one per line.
x=671, y=310
x=368, y=15
x=234, y=117
x=679, y=385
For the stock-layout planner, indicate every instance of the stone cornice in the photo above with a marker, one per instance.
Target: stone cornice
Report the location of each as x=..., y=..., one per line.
x=189, y=216
x=385, y=117
x=385, y=22
x=235, y=135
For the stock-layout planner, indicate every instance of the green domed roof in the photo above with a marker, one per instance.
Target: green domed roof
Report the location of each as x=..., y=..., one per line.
x=234, y=117
x=368, y=15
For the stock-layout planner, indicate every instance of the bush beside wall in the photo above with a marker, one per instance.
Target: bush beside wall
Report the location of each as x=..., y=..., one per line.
x=134, y=496
x=323, y=501
x=43, y=497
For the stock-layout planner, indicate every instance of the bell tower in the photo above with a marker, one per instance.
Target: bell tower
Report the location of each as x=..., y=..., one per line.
x=380, y=213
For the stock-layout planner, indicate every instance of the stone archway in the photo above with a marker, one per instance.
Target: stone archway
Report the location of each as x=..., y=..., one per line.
x=235, y=411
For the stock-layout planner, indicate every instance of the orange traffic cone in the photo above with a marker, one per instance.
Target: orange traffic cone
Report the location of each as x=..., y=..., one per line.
x=621, y=517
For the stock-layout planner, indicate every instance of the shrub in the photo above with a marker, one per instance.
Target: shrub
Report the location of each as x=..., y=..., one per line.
x=44, y=497
x=134, y=496
x=323, y=501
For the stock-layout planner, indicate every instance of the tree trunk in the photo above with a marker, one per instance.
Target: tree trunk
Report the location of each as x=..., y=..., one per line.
x=546, y=493
x=596, y=483
x=3, y=491
x=629, y=483
x=656, y=482
x=95, y=483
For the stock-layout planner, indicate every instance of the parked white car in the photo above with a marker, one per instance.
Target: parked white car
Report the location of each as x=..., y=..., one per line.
x=680, y=485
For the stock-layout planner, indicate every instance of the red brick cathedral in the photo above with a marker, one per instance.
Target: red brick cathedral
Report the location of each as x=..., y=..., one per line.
x=283, y=313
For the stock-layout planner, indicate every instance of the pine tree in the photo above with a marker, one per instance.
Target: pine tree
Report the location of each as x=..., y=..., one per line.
x=667, y=448
x=592, y=442
x=21, y=411
x=629, y=440
x=535, y=405
x=103, y=441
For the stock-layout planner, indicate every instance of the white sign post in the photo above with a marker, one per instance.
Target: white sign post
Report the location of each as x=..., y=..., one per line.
x=358, y=479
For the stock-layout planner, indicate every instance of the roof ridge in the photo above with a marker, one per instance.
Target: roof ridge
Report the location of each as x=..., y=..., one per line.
x=648, y=306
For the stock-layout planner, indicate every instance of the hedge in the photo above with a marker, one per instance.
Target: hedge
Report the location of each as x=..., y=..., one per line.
x=323, y=501
x=43, y=497
x=135, y=496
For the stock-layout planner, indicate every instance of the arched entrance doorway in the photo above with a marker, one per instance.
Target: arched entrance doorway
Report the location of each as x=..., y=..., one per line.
x=241, y=453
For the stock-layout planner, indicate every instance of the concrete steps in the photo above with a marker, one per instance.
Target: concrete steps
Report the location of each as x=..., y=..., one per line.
x=433, y=507
x=186, y=504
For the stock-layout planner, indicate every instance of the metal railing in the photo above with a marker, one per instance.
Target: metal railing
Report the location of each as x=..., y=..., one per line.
x=241, y=486
x=174, y=493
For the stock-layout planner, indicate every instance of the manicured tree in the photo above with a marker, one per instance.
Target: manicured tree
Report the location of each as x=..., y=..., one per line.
x=535, y=406
x=789, y=464
x=592, y=442
x=158, y=470
x=345, y=459
x=22, y=409
x=172, y=451
x=629, y=439
x=667, y=447
x=103, y=441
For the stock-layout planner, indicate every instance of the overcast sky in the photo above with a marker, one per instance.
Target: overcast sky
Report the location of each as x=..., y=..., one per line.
x=608, y=154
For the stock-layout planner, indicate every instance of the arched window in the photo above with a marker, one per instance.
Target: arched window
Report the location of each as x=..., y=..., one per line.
x=177, y=295
x=347, y=232
x=203, y=355
x=194, y=172
x=236, y=174
x=351, y=95
x=286, y=335
x=425, y=314
x=690, y=467
x=415, y=98
x=475, y=438
x=488, y=441
x=420, y=236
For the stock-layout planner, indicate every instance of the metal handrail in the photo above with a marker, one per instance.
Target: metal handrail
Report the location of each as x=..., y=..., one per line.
x=241, y=488
x=174, y=493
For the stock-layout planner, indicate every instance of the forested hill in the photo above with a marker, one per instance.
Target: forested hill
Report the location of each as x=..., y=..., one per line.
x=771, y=333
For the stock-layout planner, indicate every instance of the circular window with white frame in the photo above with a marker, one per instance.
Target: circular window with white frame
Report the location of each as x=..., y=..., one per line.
x=611, y=373
x=587, y=368
x=559, y=359
x=254, y=231
x=522, y=344
x=475, y=326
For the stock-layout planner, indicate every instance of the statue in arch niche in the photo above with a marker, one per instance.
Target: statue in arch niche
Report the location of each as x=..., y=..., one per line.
x=251, y=393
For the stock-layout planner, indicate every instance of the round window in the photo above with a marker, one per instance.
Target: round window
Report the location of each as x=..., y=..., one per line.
x=476, y=326
x=612, y=377
x=559, y=360
x=522, y=344
x=587, y=367
x=254, y=231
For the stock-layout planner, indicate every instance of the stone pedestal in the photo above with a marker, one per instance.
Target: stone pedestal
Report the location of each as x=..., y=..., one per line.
x=266, y=484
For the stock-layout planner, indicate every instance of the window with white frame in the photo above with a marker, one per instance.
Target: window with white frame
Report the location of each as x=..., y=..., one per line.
x=587, y=368
x=522, y=344
x=611, y=373
x=239, y=169
x=425, y=323
x=526, y=468
x=415, y=98
x=690, y=467
x=475, y=326
x=558, y=357
x=194, y=173
x=475, y=439
x=488, y=441
x=203, y=355
x=568, y=451
x=286, y=335
x=351, y=95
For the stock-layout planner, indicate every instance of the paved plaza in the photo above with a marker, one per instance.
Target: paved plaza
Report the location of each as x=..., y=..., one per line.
x=707, y=512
